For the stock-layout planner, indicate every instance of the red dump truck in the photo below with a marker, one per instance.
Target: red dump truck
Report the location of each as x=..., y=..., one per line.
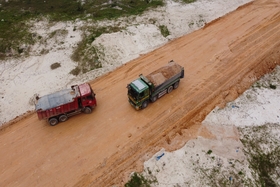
x=58, y=106
x=153, y=86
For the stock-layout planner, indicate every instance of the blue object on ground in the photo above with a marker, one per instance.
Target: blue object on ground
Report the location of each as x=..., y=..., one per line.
x=158, y=157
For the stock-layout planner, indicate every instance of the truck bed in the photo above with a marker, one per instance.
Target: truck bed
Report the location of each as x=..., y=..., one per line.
x=164, y=73
x=56, y=99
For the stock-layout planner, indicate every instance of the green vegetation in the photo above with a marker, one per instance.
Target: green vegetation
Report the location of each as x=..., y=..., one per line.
x=269, y=81
x=263, y=152
x=138, y=180
x=189, y=1
x=260, y=84
x=272, y=86
x=191, y=24
x=185, y=1
x=85, y=54
x=201, y=22
x=75, y=71
x=164, y=30
x=55, y=65
x=15, y=14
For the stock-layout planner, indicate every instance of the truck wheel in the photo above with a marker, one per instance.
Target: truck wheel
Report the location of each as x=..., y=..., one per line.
x=144, y=104
x=170, y=88
x=87, y=110
x=62, y=118
x=53, y=121
x=176, y=85
x=154, y=98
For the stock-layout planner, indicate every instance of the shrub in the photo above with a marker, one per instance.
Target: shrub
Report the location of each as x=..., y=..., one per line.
x=272, y=86
x=75, y=71
x=55, y=65
x=164, y=30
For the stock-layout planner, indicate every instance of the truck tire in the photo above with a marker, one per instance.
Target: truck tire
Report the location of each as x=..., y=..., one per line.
x=63, y=118
x=154, y=98
x=170, y=88
x=53, y=121
x=145, y=104
x=87, y=110
x=176, y=85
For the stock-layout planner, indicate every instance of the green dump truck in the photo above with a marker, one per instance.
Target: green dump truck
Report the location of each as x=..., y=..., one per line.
x=149, y=88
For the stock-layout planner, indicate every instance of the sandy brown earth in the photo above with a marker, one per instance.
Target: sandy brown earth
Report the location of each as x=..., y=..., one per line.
x=101, y=149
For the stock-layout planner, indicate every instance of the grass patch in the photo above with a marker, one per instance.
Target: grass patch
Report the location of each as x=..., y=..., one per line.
x=263, y=151
x=189, y=1
x=85, y=54
x=75, y=71
x=164, y=30
x=138, y=180
x=185, y=1
x=80, y=52
x=14, y=16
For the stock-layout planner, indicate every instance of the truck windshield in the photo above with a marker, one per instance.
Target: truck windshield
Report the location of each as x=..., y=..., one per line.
x=132, y=92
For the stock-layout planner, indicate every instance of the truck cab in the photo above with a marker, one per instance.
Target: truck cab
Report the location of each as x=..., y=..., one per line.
x=138, y=93
x=87, y=97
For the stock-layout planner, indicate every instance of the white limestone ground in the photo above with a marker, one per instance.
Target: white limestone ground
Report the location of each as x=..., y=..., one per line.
x=24, y=77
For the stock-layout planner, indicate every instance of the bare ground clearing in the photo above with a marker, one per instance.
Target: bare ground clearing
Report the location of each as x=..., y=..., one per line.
x=221, y=61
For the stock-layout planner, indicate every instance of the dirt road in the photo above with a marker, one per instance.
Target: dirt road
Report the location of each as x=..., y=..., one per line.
x=221, y=61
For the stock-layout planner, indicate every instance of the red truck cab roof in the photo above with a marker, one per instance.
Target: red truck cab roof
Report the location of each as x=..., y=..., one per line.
x=85, y=89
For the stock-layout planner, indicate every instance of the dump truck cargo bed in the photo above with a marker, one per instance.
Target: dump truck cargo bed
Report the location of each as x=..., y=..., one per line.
x=165, y=76
x=56, y=99
x=57, y=103
x=164, y=73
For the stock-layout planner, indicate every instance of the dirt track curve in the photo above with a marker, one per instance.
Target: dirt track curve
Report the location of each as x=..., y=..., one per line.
x=221, y=61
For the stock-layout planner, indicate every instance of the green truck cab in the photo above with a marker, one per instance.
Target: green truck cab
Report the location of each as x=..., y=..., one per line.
x=149, y=88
